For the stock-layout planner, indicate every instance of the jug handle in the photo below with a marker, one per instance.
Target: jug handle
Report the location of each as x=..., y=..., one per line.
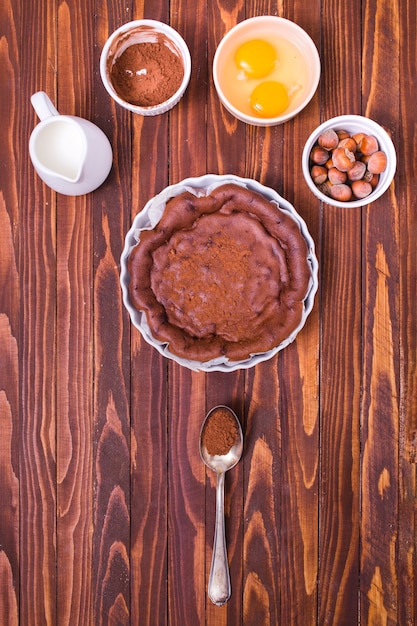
x=43, y=105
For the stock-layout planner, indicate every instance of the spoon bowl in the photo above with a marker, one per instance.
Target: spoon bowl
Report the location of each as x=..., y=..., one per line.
x=220, y=450
x=221, y=462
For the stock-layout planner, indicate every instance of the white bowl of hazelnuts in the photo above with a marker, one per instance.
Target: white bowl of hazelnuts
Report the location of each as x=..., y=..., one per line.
x=349, y=161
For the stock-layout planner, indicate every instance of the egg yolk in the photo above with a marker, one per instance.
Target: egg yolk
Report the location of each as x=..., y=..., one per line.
x=256, y=58
x=269, y=99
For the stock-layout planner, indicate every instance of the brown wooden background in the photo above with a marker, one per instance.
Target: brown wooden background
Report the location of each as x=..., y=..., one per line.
x=106, y=511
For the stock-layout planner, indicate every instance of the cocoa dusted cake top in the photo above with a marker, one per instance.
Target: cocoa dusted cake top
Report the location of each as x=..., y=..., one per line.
x=223, y=274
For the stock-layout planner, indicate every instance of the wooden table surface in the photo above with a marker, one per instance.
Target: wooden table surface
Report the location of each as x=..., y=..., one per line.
x=106, y=510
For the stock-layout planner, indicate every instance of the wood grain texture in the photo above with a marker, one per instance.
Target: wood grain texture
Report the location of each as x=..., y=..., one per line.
x=263, y=484
x=406, y=188
x=340, y=381
x=381, y=534
x=37, y=343
x=106, y=510
x=74, y=335
x=9, y=335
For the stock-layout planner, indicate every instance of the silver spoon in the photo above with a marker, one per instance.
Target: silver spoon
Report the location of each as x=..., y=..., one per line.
x=219, y=588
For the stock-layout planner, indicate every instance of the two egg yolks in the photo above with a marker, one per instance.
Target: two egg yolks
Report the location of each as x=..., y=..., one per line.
x=257, y=59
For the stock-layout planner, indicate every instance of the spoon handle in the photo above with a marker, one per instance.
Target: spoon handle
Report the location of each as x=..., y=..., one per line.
x=219, y=582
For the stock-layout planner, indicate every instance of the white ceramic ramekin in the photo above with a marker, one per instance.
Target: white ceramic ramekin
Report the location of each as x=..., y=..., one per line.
x=352, y=124
x=140, y=31
x=282, y=29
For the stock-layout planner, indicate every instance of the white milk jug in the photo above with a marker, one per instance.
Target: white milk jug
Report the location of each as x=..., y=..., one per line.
x=71, y=155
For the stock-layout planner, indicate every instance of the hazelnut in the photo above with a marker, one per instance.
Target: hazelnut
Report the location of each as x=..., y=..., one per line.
x=328, y=139
x=374, y=180
x=371, y=178
x=349, y=143
x=341, y=192
x=325, y=188
x=358, y=138
x=357, y=171
x=377, y=162
x=318, y=174
x=361, y=189
x=336, y=176
x=368, y=145
x=343, y=159
x=319, y=155
x=342, y=134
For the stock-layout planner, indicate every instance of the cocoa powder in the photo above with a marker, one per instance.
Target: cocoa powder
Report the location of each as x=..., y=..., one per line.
x=220, y=432
x=147, y=73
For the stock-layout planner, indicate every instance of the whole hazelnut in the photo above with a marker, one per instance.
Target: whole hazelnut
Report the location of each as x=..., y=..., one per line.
x=374, y=180
x=318, y=174
x=349, y=143
x=328, y=139
x=319, y=155
x=341, y=192
x=357, y=171
x=361, y=189
x=371, y=178
x=377, y=162
x=336, y=176
x=342, y=134
x=325, y=187
x=343, y=159
x=358, y=138
x=368, y=145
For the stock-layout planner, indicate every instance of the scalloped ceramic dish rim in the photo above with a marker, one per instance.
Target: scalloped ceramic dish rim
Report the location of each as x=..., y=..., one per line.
x=356, y=123
x=141, y=222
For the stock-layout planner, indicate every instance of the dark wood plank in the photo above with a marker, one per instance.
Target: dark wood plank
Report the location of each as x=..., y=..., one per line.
x=149, y=499
x=406, y=189
x=10, y=319
x=111, y=540
x=340, y=369
x=37, y=346
x=262, y=597
x=226, y=149
x=149, y=411
x=380, y=593
x=74, y=420
x=186, y=506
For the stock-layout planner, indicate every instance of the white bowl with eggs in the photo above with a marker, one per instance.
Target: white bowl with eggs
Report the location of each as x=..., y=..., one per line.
x=266, y=69
x=354, y=125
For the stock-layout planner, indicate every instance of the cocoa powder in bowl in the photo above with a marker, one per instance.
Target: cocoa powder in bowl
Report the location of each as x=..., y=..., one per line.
x=220, y=433
x=147, y=73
